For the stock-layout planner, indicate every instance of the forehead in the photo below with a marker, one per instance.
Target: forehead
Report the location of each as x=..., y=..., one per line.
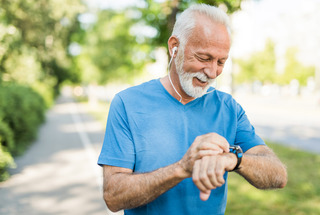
x=208, y=35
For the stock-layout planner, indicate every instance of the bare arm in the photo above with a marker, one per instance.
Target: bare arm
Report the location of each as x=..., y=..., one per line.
x=123, y=189
x=262, y=168
x=259, y=166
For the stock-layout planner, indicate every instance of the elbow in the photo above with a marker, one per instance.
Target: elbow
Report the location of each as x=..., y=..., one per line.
x=282, y=185
x=284, y=178
x=281, y=179
x=108, y=199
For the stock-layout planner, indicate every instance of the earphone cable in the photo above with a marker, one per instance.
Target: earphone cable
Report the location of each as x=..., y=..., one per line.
x=169, y=74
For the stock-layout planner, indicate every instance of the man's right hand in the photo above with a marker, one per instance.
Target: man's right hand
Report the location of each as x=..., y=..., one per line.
x=204, y=145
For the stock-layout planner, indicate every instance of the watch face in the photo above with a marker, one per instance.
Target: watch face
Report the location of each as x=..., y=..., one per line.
x=236, y=150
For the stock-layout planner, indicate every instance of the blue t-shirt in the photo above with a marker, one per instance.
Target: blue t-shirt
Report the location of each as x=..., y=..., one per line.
x=147, y=129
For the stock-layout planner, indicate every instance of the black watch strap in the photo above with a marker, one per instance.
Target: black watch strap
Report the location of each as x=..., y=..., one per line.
x=238, y=152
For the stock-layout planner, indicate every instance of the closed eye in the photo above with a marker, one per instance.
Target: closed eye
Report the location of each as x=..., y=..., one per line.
x=221, y=63
x=203, y=59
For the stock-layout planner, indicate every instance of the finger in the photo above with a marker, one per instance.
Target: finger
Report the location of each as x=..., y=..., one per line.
x=204, y=196
x=209, y=146
x=213, y=140
x=203, y=153
x=223, y=144
x=203, y=174
x=220, y=179
x=219, y=172
x=196, y=176
x=211, y=172
x=218, y=140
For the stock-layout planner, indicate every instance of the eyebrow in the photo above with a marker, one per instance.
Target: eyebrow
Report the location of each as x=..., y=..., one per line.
x=202, y=53
x=208, y=55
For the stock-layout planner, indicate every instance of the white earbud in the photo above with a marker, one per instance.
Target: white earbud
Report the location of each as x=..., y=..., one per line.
x=174, y=50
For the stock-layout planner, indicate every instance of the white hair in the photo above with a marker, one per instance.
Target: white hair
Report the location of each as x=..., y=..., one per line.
x=186, y=21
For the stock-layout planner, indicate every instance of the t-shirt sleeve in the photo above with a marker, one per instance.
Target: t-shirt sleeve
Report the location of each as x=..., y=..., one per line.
x=246, y=136
x=118, y=148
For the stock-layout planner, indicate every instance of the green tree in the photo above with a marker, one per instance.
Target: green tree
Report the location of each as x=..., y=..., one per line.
x=36, y=37
x=261, y=66
x=295, y=70
x=111, y=50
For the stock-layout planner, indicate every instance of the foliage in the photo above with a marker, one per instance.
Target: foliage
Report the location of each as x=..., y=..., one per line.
x=295, y=70
x=22, y=111
x=6, y=142
x=111, y=51
x=6, y=135
x=300, y=196
x=261, y=66
x=6, y=161
x=34, y=39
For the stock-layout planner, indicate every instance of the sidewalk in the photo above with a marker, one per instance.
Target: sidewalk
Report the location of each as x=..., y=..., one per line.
x=58, y=174
x=291, y=121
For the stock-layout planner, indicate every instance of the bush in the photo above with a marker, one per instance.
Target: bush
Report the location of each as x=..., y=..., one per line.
x=22, y=111
x=6, y=136
x=45, y=90
x=6, y=161
x=6, y=141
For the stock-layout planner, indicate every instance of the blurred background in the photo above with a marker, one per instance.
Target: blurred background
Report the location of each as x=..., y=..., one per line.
x=55, y=53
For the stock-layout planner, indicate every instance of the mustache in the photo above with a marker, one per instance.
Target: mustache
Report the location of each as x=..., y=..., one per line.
x=202, y=77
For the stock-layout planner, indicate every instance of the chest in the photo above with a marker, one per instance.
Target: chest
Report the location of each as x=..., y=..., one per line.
x=162, y=136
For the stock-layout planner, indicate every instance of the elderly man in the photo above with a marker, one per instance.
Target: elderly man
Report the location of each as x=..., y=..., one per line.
x=170, y=142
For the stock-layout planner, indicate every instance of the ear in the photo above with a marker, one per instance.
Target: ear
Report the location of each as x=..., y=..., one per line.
x=173, y=42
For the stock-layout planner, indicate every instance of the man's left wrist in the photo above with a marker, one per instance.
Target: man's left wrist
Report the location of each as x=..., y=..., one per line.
x=237, y=151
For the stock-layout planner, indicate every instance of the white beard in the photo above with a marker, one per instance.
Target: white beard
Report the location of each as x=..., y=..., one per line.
x=187, y=78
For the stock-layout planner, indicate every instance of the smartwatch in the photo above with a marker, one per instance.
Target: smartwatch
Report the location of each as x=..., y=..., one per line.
x=238, y=152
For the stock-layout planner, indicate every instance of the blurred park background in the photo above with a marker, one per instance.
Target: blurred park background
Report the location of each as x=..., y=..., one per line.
x=54, y=52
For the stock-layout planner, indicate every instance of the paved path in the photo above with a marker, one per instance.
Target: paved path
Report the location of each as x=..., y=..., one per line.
x=58, y=174
x=294, y=122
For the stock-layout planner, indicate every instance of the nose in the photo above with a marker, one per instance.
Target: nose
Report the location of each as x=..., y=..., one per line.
x=211, y=70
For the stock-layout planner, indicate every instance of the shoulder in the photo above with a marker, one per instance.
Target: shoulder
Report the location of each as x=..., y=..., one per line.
x=223, y=96
x=225, y=100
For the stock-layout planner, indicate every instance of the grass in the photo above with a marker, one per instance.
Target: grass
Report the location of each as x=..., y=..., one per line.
x=301, y=196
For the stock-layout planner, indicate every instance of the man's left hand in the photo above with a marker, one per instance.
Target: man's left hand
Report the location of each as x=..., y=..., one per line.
x=208, y=172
